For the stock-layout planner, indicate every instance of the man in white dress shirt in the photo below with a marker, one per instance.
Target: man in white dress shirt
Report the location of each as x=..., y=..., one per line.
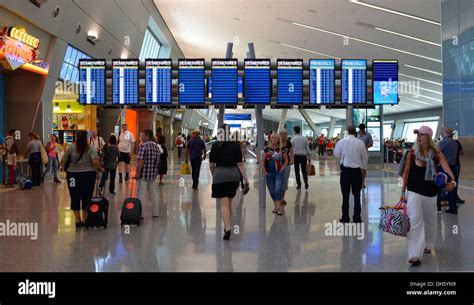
x=352, y=153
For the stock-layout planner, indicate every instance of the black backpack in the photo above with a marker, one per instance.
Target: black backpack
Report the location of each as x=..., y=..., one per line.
x=131, y=210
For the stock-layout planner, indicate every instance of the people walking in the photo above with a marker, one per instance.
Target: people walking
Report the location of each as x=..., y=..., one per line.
x=458, y=168
x=33, y=149
x=11, y=150
x=352, y=154
x=81, y=163
x=367, y=139
x=227, y=169
x=418, y=178
x=302, y=156
x=110, y=157
x=126, y=146
x=196, y=153
x=179, y=142
x=450, y=150
x=287, y=149
x=163, y=166
x=52, y=149
x=148, y=160
x=97, y=142
x=274, y=164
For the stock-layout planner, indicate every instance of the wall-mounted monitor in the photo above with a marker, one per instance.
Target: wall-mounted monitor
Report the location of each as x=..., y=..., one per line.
x=385, y=82
x=125, y=81
x=191, y=83
x=92, y=80
x=257, y=82
x=289, y=81
x=354, y=81
x=322, y=89
x=158, y=81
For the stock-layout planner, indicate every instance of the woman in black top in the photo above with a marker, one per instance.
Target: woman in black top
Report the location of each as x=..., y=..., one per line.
x=418, y=178
x=227, y=168
x=286, y=147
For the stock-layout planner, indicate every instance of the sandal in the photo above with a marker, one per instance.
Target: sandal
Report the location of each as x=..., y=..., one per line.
x=280, y=213
x=283, y=202
x=427, y=251
x=275, y=210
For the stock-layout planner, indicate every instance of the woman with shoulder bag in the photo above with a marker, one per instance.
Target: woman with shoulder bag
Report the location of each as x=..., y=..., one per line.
x=418, y=177
x=227, y=169
x=81, y=163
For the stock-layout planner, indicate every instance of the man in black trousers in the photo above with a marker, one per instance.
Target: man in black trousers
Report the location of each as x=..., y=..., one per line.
x=302, y=156
x=352, y=154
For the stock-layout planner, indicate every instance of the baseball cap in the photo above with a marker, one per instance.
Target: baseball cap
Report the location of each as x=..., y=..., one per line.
x=424, y=130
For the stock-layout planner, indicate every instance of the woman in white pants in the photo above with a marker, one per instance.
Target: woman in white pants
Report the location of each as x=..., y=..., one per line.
x=418, y=177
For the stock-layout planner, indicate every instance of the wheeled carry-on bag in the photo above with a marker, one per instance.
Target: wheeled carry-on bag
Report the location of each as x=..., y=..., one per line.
x=131, y=210
x=97, y=211
x=24, y=182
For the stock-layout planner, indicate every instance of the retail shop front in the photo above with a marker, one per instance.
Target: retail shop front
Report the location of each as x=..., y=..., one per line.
x=22, y=78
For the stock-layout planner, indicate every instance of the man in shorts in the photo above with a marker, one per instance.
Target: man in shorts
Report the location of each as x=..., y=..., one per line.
x=126, y=147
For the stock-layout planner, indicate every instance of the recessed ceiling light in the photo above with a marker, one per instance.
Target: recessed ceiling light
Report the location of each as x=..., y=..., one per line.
x=407, y=36
x=422, y=79
x=364, y=41
x=422, y=69
x=307, y=50
x=394, y=12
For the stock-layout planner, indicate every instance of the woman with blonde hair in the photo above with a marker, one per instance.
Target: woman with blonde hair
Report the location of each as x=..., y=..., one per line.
x=419, y=178
x=274, y=164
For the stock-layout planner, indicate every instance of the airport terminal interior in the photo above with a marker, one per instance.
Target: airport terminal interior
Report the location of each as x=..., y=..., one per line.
x=76, y=71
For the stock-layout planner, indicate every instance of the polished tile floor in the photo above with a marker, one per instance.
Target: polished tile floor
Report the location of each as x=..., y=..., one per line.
x=188, y=234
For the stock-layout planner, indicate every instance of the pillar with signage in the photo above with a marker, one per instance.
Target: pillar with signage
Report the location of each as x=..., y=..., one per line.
x=372, y=118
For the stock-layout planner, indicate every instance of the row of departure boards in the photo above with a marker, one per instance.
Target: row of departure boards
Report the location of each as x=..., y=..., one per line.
x=225, y=87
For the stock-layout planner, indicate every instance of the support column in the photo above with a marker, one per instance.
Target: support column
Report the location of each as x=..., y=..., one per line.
x=332, y=126
x=283, y=116
x=310, y=122
x=220, y=115
x=262, y=191
x=349, y=116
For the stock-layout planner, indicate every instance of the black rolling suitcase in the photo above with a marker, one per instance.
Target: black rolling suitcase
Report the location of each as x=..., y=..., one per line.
x=97, y=211
x=131, y=210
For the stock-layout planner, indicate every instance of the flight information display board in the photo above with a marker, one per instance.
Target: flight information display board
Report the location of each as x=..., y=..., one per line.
x=385, y=82
x=224, y=81
x=354, y=81
x=191, y=84
x=322, y=88
x=257, y=82
x=158, y=81
x=125, y=81
x=92, y=81
x=289, y=81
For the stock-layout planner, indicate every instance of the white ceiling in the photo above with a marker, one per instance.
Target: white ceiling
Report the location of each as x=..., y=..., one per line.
x=203, y=28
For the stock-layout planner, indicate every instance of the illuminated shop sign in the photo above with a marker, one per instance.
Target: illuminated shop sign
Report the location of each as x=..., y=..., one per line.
x=19, y=49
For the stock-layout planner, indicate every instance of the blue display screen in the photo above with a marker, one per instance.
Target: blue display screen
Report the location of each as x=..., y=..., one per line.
x=191, y=84
x=92, y=81
x=224, y=81
x=237, y=117
x=385, y=82
x=158, y=81
x=125, y=81
x=290, y=81
x=354, y=81
x=321, y=81
x=257, y=84
x=240, y=90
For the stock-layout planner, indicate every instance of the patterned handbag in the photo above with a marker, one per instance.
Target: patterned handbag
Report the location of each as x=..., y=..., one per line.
x=394, y=220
